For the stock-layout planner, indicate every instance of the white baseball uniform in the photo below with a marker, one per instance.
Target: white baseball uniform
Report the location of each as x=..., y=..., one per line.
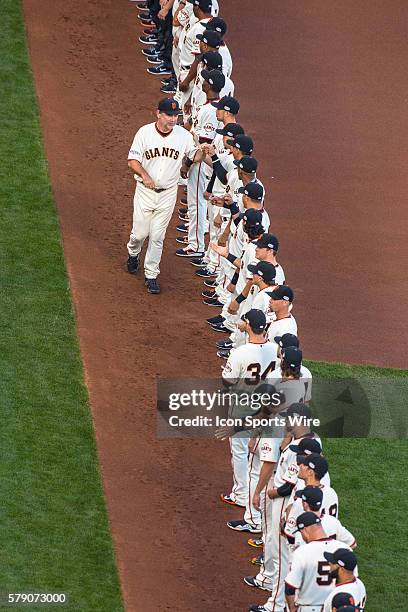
x=310, y=574
x=161, y=155
x=226, y=59
x=356, y=589
x=330, y=506
x=279, y=327
x=244, y=368
x=333, y=528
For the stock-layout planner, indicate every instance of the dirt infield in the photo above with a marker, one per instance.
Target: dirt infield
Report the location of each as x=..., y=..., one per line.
x=321, y=88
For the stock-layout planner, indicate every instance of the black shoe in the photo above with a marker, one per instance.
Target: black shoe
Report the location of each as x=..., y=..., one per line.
x=224, y=344
x=152, y=286
x=206, y=273
x=158, y=70
x=168, y=89
x=210, y=283
x=224, y=354
x=183, y=217
x=182, y=228
x=209, y=294
x=198, y=262
x=155, y=59
x=153, y=52
x=133, y=264
x=212, y=302
x=221, y=328
x=183, y=210
x=183, y=200
x=151, y=32
x=166, y=81
x=216, y=320
x=148, y=39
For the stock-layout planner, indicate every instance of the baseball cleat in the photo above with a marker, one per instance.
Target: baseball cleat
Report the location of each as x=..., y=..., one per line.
x=243, y=526
x=256, y=608
x=152, y=286
x=166, y=81
x=133, y=264
x=210, y=283
x=224, y=344
x=206, y=273
x=144, y=18
x=229, y=499
x=208, y=294
x=182, y=239
x=216, y=321
x=158, y=70
x=188, y=253
x=183, y=227
x=253, y=582
x=212, y=302
x=199, y=262
x=183, y=200
x=183, y=218
x=255, y=542
x=183, y=210
x=151, y=32
x=223, y=354
x=257, y=560
x=148, y=39
x=155, y=60
x=168, y=89
x=153, y=52
x=221, y=328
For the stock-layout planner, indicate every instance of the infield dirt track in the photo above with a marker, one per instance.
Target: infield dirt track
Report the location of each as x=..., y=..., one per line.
x=322, y=91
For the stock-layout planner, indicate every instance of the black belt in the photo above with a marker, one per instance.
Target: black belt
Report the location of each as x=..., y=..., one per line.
x=159, y=190
x=186, y=67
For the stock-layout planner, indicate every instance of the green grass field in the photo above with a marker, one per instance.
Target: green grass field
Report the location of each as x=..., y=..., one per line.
x=54, y=529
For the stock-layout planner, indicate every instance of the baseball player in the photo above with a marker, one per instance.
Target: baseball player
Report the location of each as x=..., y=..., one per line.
x=309, y=581
x=343, y=563
x=289, y=375
x=246, y=365
x=281, y=300
x=312, y=499
x=218, y=25
x=156, y=157
x=341, y=603
x=204, y=131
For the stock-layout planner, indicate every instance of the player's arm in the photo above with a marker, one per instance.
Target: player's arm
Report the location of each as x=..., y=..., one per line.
x=219, y=169
x=344, y=535
x=176, y=21
x=293, y=581
x=235, y=304
x=138, y=169
x=191, y=75
x=223, y=251
x=264, y=477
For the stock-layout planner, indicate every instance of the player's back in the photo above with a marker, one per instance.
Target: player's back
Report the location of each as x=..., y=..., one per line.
x=250, y=363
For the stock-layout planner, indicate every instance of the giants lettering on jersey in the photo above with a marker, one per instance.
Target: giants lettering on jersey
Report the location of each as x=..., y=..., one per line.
x=165, y=152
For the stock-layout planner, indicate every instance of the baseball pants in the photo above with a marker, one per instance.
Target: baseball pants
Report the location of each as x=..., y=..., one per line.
x=211, y=258
x=275, y=567
x=197, y=206
x=239, y=462
x=252, y=516
x=151, y=215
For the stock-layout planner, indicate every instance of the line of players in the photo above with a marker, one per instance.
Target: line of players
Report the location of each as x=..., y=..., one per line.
x=281, y=478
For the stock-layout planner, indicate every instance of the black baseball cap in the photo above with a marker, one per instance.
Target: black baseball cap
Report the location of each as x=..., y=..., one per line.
x=343, y=557
x=169, y=106
x=268, y=241
x=302, y=410
x=210, y=38
x=229, y=104
x=231, y=130
x=293, y=356
x=287, y=340
x=247, y=164
x=316, y=462
x=204, y=5
x=212, y=60
x=264, y=269
x=215, y=78
x=343, y=599
x=306, y=519
x=311, y=495
x=256, y=319
x=283, y=292
x=218, y=25
x=307, y=446
x=243, y=143
x=253, y=217
x=253, y=190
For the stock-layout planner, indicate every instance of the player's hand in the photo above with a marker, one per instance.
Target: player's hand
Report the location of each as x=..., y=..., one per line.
x=148, y=181
x=233, y=307
x=251, y=444
x=207, y=195
x=184, y=171
x=211, y=150
x=241, y=326
x=175, y=40
x=227, y=198
x=217, y=221
x=222, y=240
x=223, y=433
x=183, y=86
x=231, y=288
x=256, y=501
x=162, y=14
x=272, y=494
x=221, y=250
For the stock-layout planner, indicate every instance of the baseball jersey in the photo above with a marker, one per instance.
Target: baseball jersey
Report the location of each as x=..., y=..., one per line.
x=261, y=300
x=226, y=60
x=239, y=197
x=279, y=327
x=198, y=97
x=246, y=367
x=305, y=377
x=161, y=155
x=269, y=449
x=191, y=45
x=206, y=122
x=288, y=469
x=310, y=572
x=356, y=589
x=333, y=528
